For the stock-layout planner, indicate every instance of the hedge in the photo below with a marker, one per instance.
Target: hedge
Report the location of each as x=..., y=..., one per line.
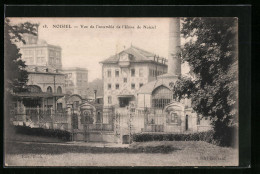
x=201, y=136
x=54, y=133
x=226, y=139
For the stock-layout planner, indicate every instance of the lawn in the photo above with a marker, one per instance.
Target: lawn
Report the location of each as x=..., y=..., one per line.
x=174, y=153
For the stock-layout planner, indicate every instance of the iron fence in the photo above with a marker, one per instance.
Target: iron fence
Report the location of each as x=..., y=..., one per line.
x=39, y=117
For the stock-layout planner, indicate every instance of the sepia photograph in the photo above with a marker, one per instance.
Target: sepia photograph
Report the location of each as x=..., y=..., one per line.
x=121, y=91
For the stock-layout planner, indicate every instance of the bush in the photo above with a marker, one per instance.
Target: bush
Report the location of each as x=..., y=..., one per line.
x=208, y=136
x=200, y=136
x=54, y=133
x=226, y=135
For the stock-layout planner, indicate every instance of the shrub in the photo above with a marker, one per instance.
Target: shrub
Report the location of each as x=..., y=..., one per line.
x=200, y=136
x=207, y=136
x=54, y=133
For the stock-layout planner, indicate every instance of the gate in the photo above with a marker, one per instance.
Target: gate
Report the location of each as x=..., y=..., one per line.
x=96, y=123
x=74, y=121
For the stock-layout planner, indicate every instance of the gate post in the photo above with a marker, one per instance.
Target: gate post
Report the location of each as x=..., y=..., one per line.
x=38, y=115
x=69, y=117
x=52, y=118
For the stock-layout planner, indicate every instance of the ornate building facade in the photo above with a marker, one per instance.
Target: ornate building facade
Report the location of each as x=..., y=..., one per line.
x=126, y=72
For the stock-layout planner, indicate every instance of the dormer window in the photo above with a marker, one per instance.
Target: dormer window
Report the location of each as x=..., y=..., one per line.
x=130, y=56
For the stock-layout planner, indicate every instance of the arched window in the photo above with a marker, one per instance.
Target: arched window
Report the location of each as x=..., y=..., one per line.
x=49, y=89
x=161, y=96
x=34, y=88
x=59, y=90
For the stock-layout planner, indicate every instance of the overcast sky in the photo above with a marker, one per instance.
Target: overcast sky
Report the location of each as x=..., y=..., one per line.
x=86, y=47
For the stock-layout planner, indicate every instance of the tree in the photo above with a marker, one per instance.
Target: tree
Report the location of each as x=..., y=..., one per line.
x=211, y=52
x=15, y=73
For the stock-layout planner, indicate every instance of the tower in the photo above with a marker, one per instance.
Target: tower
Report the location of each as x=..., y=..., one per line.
x=174, y=61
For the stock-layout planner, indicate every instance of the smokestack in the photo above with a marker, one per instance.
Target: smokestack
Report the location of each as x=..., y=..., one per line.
x=174, y=61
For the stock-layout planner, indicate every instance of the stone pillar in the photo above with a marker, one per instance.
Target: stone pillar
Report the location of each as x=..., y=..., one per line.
x=23, y=112
x=42, y=103
x=54, y=103
x=80, y=126
x=183, y=121
x=38, y=115
x=52, y=117
x=69, y=118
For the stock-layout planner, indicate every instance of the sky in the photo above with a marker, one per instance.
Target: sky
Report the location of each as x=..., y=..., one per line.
x=85, y=47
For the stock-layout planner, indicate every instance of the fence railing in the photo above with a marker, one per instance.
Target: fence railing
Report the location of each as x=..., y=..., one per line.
x=98, y=127
x=39, y=117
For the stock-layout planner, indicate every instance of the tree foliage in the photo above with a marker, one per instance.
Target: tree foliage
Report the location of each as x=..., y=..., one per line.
x=14, y=68
x=211, y=52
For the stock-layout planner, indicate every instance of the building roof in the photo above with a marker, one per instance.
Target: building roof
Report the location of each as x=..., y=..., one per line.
x=74, y=69
x=37, y=42
x=36, y=69
x=38, y=95
x=149, y=87
x=139, y=55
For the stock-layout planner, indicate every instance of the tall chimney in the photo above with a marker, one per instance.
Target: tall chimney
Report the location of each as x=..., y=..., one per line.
x=174, y=61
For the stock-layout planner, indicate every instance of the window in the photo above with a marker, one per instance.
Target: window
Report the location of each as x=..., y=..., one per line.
x=49, y=89
x=130, y=56
x=76, y=104
x=109, y=86
x=132, y=86
x=117, y=73
x=71, y=83
x=40, y=60
x=174, y=118
x=117, y=86
x=132, y=72
x=109, y=73
x=161, y=96
x=51, y=60
x=57, y=61
x=140, y=85
x=59, y=90
x=26, y=52
x=59, y=106
x=109, y=100
x=29, y=60
x=125, y=80
x=141, y=73
x=39, y=52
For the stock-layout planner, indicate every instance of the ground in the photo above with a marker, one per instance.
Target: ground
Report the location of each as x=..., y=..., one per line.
x=174, y=153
